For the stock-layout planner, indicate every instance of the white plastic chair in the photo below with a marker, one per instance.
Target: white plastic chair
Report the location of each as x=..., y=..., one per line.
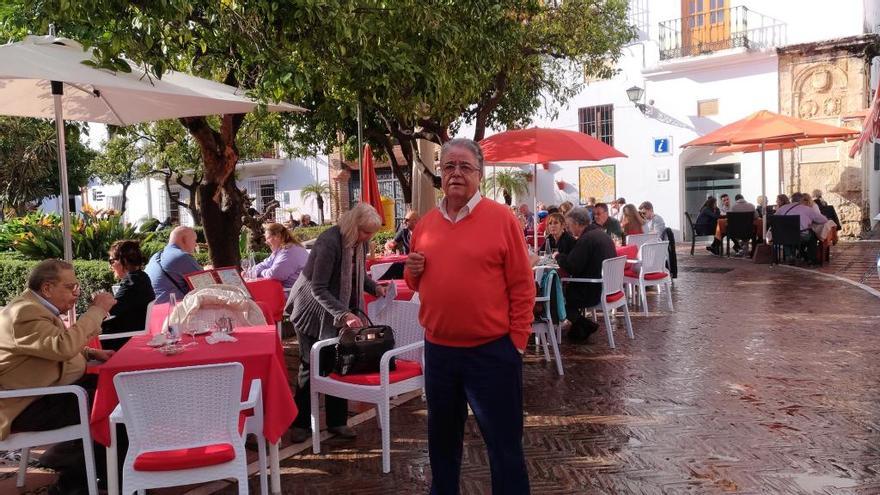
x=175, y=409
x=613, y=296
x=546, y=333
x=639, y=239
x=653, y=257
x=403, y=317
x=80, y=431
x=127, y=335
x=379, y=269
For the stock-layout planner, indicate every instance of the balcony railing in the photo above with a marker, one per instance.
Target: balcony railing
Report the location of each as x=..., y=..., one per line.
x=713, y=30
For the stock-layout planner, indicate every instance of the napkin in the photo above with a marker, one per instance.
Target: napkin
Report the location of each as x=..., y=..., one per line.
x=217, y=337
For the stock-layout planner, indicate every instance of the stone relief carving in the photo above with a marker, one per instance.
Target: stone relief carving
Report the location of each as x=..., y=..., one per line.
x=819, y=91
x=808, y=109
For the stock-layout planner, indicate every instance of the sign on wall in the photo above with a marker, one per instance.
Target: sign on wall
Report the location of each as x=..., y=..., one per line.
x=662, y=146
x=598, y=182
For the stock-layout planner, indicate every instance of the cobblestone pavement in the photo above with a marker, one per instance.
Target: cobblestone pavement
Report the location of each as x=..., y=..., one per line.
x=856, y=261
x=764, y=380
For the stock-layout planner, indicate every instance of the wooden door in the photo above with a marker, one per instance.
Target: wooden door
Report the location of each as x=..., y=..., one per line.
x=705, y=26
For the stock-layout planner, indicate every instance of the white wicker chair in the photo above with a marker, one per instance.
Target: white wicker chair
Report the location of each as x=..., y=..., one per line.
x=79, y=431
x=613, y=296
x=180, y=410
x=403, y=317
x=546, y=333
x=379, y=269
x=639, y=239
x=653, y=271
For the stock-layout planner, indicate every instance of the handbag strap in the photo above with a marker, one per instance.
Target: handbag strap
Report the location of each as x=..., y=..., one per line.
x=359, y=310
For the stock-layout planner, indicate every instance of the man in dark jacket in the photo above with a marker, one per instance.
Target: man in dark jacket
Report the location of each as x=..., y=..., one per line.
x=593, y=246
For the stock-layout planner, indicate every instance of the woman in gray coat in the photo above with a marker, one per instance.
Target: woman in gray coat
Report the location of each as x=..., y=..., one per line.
x=328, y=290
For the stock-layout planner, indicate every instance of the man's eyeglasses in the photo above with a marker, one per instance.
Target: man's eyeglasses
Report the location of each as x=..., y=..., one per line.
x=464, y=167
x=71, y=287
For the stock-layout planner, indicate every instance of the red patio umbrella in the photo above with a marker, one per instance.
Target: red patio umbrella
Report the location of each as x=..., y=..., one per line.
x=540, y=145
x=370, y=190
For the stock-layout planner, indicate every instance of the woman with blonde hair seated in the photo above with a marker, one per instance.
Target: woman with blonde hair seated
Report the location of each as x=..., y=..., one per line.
x=287, y=259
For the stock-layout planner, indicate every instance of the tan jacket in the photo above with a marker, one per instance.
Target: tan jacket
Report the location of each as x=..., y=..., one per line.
x=36, y=350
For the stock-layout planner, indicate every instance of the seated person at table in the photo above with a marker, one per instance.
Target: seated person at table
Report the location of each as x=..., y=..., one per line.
x=558, y=239
x=306, y=221
x=653, y=222
x=287, y=259
x=168, y=266
x=706, y=223
x=400, y=243
x=633, y=223
x=593, y=246
x=604, y=220
x=38, y=350
x=724, y=204
x=808, y=217
x=134, y=294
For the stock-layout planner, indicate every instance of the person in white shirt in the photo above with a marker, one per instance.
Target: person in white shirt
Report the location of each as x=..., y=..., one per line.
x=655, y=222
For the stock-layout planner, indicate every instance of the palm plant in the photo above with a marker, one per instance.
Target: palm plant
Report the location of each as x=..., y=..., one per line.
x=511, y=182
x=318, y=191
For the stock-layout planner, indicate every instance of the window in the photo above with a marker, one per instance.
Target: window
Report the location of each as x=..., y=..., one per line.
x=173, y=206
x=389, y=187
x=598, y=122
x=261, y=190
x=706, y=108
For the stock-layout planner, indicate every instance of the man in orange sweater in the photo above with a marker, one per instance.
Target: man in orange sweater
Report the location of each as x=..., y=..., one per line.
x=468, y=260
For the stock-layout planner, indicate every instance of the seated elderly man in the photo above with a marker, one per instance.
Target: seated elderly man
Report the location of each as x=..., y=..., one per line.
x=167, y=267
x=593, y=246
x=37, y=350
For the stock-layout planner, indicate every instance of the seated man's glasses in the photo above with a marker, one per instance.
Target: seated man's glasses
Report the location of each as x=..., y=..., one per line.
x=464, y=167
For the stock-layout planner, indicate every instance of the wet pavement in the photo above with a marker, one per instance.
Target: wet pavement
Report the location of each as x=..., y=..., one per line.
x=764, y=380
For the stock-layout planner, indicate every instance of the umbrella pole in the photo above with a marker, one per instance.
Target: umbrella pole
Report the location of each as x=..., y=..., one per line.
x=57, y=92
x=360, y=149
x=494, y=185
x=535, y=204
x=764, y=220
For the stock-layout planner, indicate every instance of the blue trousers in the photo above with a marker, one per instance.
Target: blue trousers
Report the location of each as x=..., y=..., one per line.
x=489, y=379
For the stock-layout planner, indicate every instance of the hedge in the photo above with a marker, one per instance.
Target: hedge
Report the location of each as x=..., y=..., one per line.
x=93, y=275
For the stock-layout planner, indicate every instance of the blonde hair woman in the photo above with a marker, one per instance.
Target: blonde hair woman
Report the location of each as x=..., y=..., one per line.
x=287, y=259
x=326, y=297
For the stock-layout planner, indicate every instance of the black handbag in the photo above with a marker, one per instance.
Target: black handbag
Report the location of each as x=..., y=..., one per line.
x=359, y=350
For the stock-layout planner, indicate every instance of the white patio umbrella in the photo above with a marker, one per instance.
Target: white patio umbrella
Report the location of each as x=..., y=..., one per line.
x=45, y=77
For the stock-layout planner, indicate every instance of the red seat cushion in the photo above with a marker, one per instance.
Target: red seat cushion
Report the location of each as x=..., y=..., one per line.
x=405, y=370
x=648, y=276
x=176, y=460
x=614, y=297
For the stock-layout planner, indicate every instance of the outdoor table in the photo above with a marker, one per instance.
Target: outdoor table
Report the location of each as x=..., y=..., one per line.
x=630, y=251
x=721, y=228
x=391, y=258
x=258, y=349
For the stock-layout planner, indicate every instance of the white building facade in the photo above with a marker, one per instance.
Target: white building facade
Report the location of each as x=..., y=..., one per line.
x=702, y=64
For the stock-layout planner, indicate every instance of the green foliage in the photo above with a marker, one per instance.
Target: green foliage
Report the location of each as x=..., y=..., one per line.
x=377, y=244
x=40, y=236
x=303, y=234
x=28, y=161
x=317, y=191
x=510, y=182
x=14, y=270
x=118, y=162
x=148, y=225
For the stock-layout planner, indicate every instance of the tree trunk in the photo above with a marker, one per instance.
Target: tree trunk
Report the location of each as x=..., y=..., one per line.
x=124, y=199
x=508, y=199
x=320, y=201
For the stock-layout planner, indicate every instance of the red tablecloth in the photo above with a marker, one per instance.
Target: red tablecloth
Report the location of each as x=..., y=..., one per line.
x=631, y=252
x=269, y=295
x=258, y=349
x=391, y=258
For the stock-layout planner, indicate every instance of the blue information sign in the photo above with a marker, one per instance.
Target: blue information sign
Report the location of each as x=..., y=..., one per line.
x=662, y=146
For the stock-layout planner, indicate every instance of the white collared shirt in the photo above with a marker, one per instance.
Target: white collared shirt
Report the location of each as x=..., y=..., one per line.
x=467, y=210
x=51, y=307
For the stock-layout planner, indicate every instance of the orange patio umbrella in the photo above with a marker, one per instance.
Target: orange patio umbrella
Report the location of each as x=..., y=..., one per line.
x=764, y=130
x=541, y=145
x=370, y=190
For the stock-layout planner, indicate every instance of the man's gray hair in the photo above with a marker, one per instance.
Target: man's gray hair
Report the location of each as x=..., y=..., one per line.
x=579, y=216
x=46, y=271
x=468, y=144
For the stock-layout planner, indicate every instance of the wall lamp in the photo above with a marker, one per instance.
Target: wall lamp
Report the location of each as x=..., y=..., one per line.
x=635, y=95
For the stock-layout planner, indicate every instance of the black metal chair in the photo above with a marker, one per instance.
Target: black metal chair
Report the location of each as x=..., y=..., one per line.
x=694, y=234
x=786, y=232
x=740, y=226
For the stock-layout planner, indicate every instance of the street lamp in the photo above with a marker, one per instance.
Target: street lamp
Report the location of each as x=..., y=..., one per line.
x=635, y=94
